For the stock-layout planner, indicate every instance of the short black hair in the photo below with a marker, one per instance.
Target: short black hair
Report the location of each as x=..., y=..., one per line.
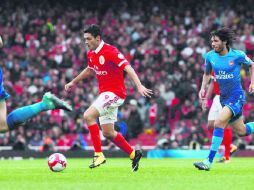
x=225, y=35
x=94, y=30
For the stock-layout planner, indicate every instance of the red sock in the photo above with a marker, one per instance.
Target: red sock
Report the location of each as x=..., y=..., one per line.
x=211, y=131
x=122, y=143
x=95, y=136
x=211, y=134
x=227, y=141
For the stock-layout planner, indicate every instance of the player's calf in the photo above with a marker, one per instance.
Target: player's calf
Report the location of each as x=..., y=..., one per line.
x=3, y=127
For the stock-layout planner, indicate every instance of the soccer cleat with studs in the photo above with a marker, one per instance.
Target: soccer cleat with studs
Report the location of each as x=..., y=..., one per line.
x=97, y=161
x=54, y=102
x=136, y=159
x=233, y=149
x=205, y=165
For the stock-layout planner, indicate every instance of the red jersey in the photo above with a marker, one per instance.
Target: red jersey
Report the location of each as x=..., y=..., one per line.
x=216, y=89
x=108, y=63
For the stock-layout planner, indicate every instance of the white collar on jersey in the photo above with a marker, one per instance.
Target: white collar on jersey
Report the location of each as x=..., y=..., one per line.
x=99, y=47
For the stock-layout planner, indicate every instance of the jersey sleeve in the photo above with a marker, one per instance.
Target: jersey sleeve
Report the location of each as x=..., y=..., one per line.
x=118, y=58
x=244, y=59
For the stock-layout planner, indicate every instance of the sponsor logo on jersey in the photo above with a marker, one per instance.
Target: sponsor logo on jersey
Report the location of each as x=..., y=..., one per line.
x=101, y=72
x=223, y=75
x=95, y=68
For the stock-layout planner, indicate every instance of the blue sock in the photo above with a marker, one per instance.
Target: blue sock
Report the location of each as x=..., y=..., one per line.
x=249, y=128
x=216, y=141
x=21, y=115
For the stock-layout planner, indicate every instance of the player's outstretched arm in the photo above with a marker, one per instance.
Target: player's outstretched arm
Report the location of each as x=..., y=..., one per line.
x=1, y=42
x=134, y=77
x=84, y=74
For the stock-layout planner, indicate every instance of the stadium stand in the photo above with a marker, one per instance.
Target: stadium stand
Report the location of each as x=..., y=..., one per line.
x=43, y=49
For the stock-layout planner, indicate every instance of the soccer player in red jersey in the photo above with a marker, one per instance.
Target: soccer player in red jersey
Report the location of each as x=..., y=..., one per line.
x=108, y=63
x=213, y=114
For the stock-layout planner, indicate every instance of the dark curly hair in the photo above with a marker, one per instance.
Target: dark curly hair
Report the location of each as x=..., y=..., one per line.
x=225, y=35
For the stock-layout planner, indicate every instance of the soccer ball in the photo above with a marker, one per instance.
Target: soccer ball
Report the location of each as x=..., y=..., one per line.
x=57, y=162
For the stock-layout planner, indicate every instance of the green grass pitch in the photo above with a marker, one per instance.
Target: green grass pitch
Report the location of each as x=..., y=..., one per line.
x=154, y=174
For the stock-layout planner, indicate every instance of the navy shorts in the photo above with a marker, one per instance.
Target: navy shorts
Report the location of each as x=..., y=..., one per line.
x=235, y=104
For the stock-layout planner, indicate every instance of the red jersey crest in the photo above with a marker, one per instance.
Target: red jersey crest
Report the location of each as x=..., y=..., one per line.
x=231, y=63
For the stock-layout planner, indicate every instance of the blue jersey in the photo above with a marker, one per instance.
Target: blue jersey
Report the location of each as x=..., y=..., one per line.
x=227, y=72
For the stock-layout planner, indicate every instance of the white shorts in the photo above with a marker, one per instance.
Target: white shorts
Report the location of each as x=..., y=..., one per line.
x=107, y=105
x=215, y=108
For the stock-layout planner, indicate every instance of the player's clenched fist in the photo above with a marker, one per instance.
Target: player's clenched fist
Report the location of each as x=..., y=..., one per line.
x=69, y=86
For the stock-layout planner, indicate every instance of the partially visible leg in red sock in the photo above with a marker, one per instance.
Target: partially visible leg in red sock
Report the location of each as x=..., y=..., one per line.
x=211, y=134
x=95, y=136
x=211, y=131
x=122, y=144
x=227, y=141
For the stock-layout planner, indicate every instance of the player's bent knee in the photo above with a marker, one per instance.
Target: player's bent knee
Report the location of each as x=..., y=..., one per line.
x=241, y=132
x=108, y=134
x=210, y=126
x=88, y=118
x=220, y=123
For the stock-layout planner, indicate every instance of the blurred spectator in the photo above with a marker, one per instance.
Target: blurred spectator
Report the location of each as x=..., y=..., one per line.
x=163, y=144
x=79, y=143
x=179, y=133
x=133, y=120
x=238, y=44
x=48, y=144
x=121, y=125
x=62, y=141
x=42, y=51
x=162, y=126
x=153, y=113
x=195, y=142
x=20, y=143
x=36, y=141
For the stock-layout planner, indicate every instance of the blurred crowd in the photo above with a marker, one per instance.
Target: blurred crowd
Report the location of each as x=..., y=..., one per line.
x=164, y=41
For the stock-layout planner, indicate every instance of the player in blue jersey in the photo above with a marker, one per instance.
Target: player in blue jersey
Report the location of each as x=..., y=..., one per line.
x=21, y=115
x=226, y=63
